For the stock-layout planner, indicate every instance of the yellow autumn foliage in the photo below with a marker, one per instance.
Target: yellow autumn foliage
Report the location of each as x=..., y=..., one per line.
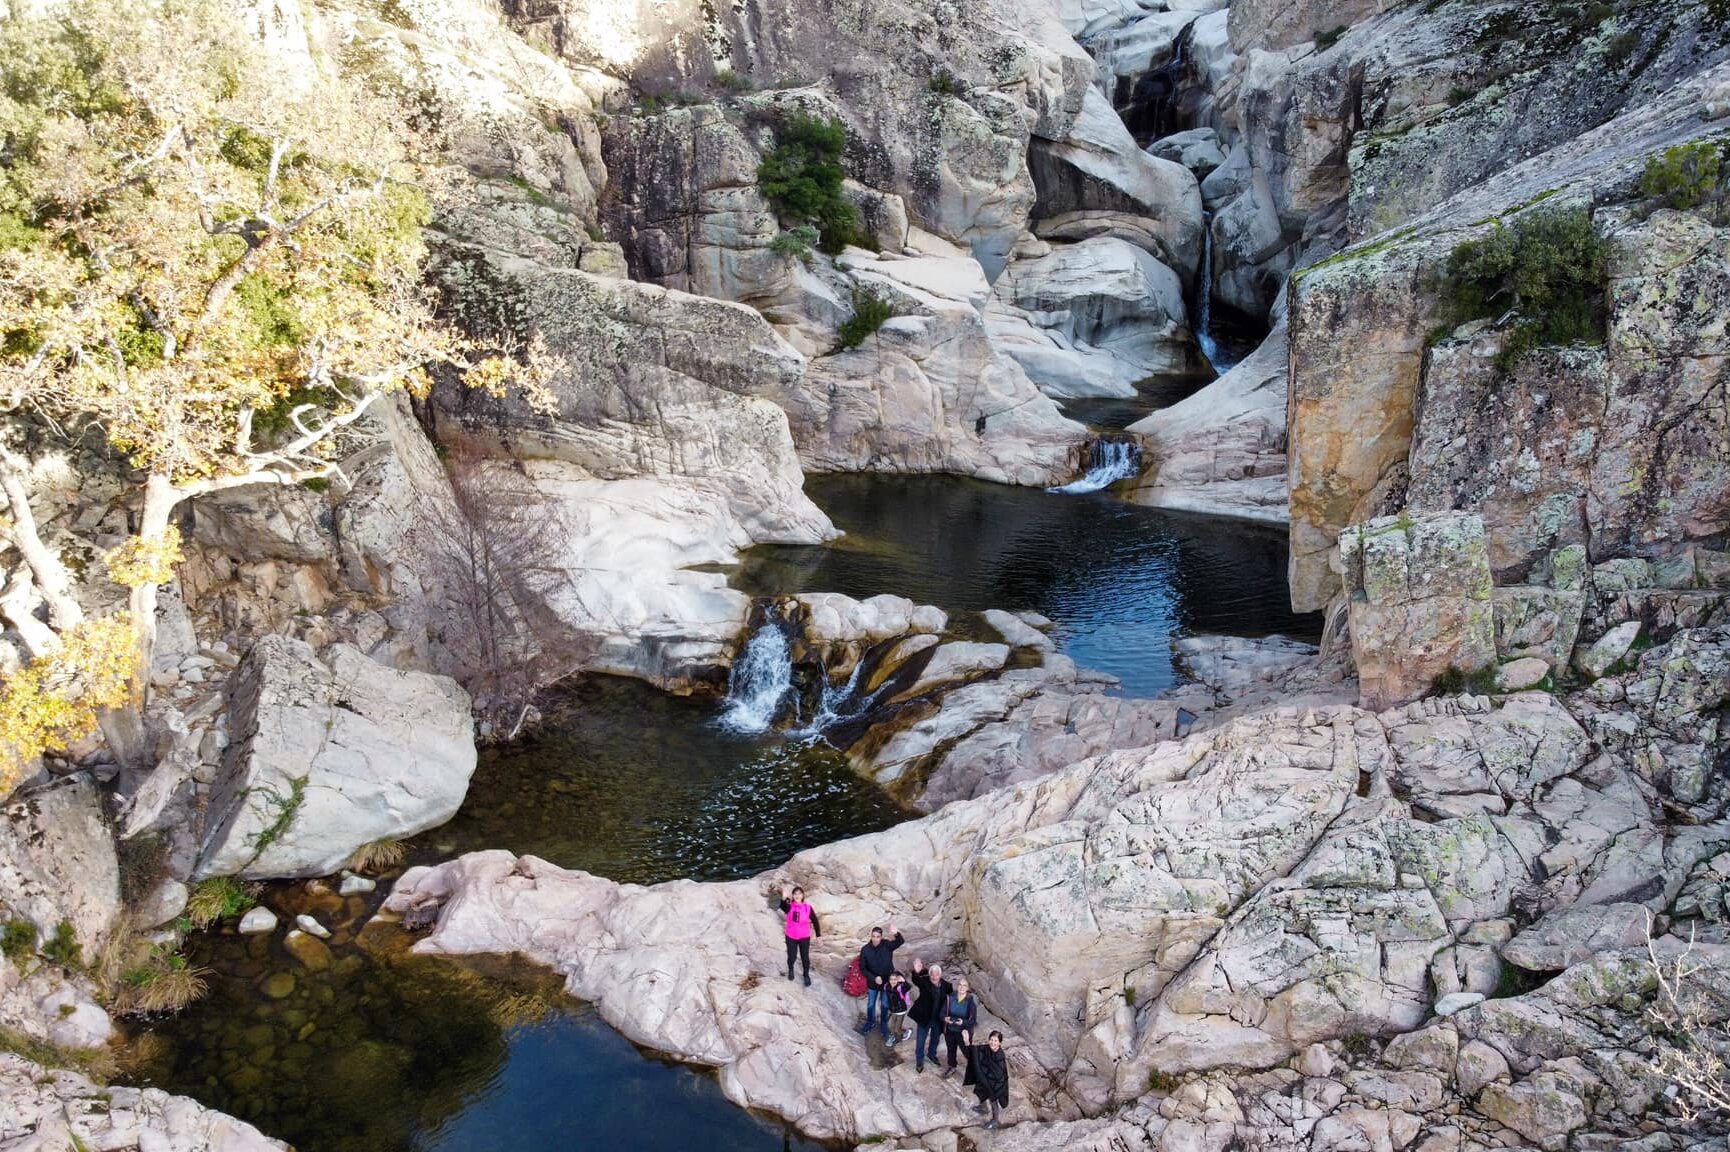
x=56, y=698
x=141, y=561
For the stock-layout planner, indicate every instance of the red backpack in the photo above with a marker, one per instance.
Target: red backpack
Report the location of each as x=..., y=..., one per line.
x=854, y=982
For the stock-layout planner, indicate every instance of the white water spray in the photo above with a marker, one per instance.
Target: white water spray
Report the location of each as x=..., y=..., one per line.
x=760, y=679
x=1112, y=460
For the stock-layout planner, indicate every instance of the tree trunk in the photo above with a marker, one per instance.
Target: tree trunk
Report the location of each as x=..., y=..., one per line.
x=161, y=498
x=53, y=582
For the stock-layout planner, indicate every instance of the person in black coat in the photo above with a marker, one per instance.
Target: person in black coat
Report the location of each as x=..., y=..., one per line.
x=932, y=991
x=988, y=1072
x=877, y=961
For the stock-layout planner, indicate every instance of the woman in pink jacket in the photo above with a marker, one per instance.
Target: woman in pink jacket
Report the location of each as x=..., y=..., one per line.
x=801, y=925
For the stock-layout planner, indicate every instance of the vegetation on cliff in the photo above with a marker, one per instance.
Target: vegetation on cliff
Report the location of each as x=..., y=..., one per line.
x=802, y=177
x=1545, y=272
x=213, y=260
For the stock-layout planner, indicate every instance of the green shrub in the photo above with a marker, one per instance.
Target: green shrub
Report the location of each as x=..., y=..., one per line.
x=802, y=177
x=1686, y=177
x=1458, y=96
x=796, y=242
x=870, y=311
x=944, y=83
x=1158, y=1081
x=62, y=947
x=1459, y=681
x=1547, y=270
x=18, y=940
x=732, y=81
x=1326, y=40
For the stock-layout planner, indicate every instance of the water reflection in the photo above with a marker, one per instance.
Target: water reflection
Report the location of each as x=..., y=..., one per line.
x=1120, y=580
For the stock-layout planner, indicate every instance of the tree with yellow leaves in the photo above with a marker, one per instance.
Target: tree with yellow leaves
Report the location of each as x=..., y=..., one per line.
x=213, y=256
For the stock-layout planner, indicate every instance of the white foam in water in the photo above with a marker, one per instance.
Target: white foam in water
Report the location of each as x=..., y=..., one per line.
x=1113, y=460
x=830, y=704
x=759, y=681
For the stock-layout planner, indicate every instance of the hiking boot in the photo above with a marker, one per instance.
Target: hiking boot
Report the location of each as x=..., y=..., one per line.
x=918, y=1066
x=807, y=978
x=862, y=1028
x=948, y=1072
x=979, y=1109
x=790, y=976
x=888, y=1041
x=992, y=1125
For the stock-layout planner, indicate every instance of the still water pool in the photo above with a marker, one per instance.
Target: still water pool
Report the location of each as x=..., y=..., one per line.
x=1120, y=580
x=365, y=1048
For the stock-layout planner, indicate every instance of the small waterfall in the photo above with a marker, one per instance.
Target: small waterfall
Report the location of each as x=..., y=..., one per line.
x=1108, y=462
x=1151, y=105
x=1204, y=309
x=837, y=703
x=761, y=678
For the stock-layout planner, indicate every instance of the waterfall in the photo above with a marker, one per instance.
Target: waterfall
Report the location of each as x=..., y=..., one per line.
x=1204, y=310
x=835, y=704
x=1108, y=462
x=760, y=679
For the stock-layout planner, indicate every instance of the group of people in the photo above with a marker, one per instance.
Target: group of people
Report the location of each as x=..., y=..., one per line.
x=937, y=1006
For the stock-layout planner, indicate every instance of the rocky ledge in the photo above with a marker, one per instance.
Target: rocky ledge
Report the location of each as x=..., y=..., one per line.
x=1204, y=908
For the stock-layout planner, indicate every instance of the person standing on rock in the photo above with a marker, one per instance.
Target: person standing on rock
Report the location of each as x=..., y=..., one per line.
x=801, y=925
x=877, y=961
x=930, y=992
x=960, y=1016
x=900, y=995
x=988, y=1072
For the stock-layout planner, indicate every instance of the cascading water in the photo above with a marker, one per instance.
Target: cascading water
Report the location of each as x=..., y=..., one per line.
x=1108, y=462
x=837, y=703
x=1210, y=348
x=760, y=679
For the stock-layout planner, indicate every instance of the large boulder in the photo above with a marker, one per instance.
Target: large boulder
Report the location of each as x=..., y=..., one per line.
x=1419, y=593
x=57, y=861
x=1099, y=295
x=1221, y=450
x=1097, y=181
x=328, y=755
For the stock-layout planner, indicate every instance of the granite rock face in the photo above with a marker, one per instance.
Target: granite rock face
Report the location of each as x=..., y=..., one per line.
x=1376, y=424
x=330, y=754
x=1420, y=602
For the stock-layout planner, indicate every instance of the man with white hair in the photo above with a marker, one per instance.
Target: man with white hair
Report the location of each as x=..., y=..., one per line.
x=932, y=993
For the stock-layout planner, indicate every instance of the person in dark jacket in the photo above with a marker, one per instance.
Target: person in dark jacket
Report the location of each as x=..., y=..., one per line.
x=960, y=1015
x=931, y=991
x=988, y=1072
x=877, y=961
x=801, y=924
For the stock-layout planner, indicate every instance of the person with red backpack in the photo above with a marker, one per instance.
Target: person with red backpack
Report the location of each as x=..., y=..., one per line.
x=877, y=961
x=801, y=925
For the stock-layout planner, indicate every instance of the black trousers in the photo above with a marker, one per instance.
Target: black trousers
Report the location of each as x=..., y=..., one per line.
x=952, y=1041
x=801, y=949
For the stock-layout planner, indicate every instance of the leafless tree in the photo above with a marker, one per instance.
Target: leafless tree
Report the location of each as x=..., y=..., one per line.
x=493, y=546
x=1690, y=1023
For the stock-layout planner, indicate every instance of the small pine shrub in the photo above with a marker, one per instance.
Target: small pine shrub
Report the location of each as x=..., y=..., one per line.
x=1686, y=177
x=1158, y=1081
x=944, y=83
x=1458, y=96
x=871, y=311
x=1547, y=270
x=796, y=242
x=802, y=177
x=1326, y=40
x=18, y=940
x=63, y=947
x=732, y=81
